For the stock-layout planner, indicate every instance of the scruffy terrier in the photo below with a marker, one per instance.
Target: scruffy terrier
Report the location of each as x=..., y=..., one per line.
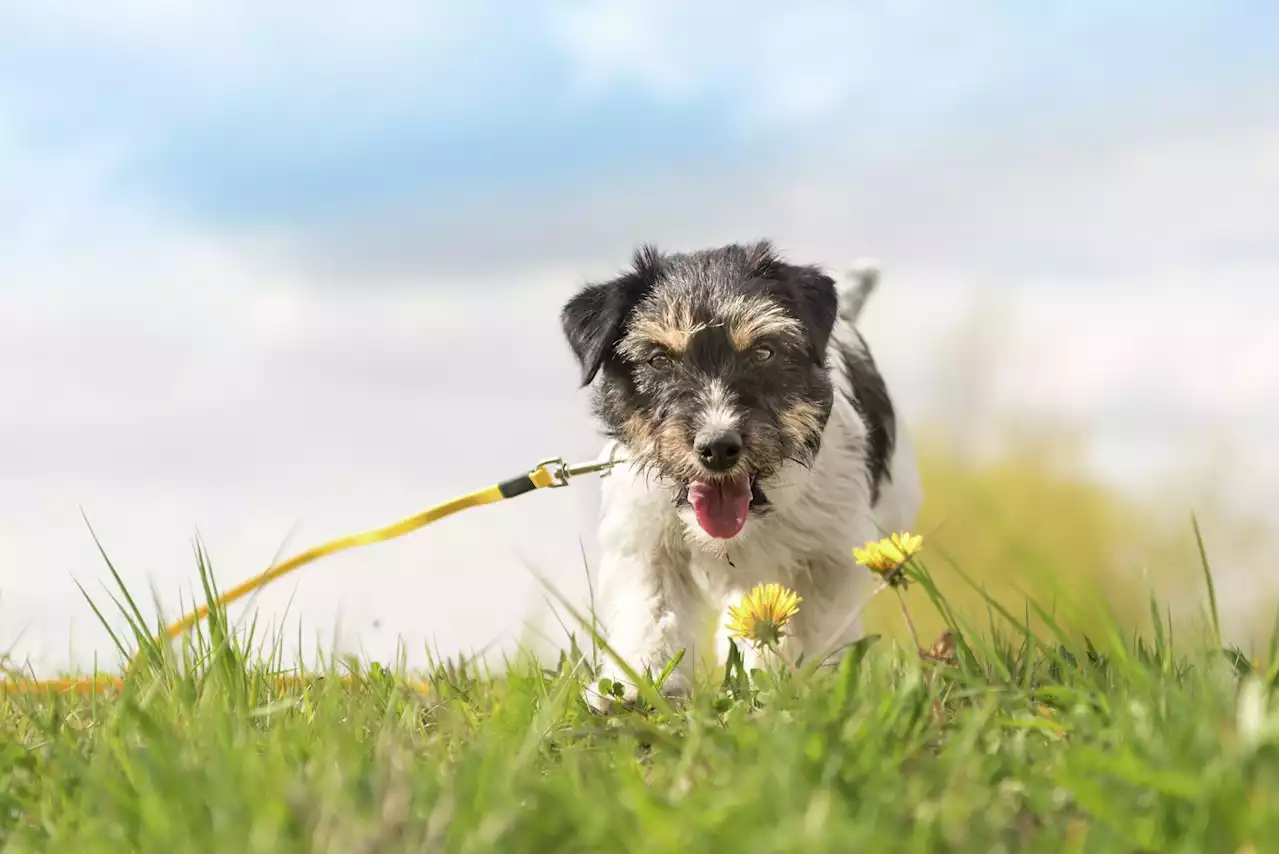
x=761, y=446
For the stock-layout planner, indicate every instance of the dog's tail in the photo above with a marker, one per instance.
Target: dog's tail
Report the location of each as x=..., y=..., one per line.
x=863, y=277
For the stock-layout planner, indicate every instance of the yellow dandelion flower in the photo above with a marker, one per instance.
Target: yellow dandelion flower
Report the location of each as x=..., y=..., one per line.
x=886, y=557
x=761, y=615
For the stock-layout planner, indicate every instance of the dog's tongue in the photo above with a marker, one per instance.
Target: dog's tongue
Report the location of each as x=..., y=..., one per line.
x=721, y=506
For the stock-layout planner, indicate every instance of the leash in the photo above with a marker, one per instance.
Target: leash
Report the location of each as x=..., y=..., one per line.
x=548, y=474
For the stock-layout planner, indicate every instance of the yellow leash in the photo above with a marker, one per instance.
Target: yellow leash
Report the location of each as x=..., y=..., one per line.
x=549, y=473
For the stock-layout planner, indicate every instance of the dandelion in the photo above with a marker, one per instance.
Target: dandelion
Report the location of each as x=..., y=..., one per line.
x=886, y=557
x=761, y=615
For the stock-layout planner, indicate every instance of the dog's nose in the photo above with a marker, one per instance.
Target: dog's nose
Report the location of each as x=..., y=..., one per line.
x=719, y=451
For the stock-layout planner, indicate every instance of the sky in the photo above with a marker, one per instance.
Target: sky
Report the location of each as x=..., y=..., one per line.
x=276, y=272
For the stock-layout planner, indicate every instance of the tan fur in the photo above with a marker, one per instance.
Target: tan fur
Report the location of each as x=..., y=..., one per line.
x=751, y=320
x=668, y=323
x=674, y=444
x=651, y=331
x=639, y=433
x=801, y=421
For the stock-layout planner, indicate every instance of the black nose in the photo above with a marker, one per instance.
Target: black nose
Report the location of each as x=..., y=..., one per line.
x=719, y=451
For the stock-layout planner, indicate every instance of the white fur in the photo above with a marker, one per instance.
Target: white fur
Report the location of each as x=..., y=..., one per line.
x=665, y=585
x=718, y=413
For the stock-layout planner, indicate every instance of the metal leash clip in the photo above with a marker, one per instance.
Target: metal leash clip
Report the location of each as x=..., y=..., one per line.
x=561, y=471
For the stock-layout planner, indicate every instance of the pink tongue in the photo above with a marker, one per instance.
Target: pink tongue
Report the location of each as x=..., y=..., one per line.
x=721, y=506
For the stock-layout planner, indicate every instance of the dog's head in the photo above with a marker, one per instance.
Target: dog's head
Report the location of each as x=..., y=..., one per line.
x=712, y=371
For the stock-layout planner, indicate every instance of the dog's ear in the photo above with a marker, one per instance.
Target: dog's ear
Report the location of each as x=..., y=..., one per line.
x=816, y=303
x=595, y=319
x=592, y=322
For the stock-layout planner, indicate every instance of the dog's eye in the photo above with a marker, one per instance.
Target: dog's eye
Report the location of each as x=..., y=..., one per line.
x=661, y=361
x=762, y=354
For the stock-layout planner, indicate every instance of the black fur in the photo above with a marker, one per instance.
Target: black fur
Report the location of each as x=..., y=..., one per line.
x=812, y=297
x=870, y=399
x=593, y=321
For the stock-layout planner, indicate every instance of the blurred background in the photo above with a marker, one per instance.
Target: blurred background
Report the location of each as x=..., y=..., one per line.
x=270, y=274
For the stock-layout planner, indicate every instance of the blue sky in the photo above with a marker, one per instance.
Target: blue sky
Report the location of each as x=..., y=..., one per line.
x=239, y=118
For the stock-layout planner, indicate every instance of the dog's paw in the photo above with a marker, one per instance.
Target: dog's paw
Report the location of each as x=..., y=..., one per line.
x=613, y=690
x=609, y=692
x=677, y=685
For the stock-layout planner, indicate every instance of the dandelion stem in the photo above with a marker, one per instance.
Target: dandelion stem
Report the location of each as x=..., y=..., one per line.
x=906, y=615
x=777, y=652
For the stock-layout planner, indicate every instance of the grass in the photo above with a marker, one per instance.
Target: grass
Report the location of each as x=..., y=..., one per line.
x=1029, y=522
x=1023, y=739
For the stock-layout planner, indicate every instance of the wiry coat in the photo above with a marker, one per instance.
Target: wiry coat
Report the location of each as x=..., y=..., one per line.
x=746, y=342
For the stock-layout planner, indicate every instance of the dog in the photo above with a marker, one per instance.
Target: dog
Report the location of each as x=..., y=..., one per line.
x=760, y=445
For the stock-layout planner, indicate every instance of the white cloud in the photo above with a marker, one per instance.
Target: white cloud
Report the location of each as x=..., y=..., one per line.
x=778, y=63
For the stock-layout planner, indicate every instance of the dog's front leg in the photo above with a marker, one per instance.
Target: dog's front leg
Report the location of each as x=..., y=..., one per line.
x=646, y=607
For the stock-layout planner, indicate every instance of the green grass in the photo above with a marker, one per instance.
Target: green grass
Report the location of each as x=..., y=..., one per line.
x=1026, y=742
